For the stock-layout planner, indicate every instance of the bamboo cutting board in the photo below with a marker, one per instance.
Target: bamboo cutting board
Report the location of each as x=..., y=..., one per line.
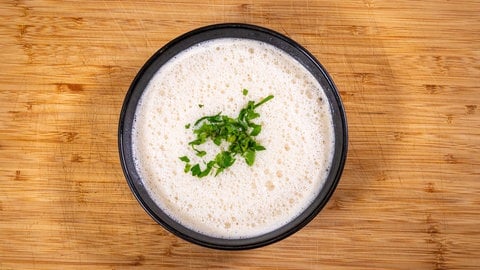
x=408, y=75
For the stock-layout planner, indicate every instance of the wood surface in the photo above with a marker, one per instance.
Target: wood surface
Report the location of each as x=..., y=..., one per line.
x=408, y=73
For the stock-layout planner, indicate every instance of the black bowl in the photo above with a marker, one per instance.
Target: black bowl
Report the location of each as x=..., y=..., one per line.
x=232, y=30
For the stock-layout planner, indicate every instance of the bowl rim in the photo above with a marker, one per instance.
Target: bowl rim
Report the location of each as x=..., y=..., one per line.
x=234, y=30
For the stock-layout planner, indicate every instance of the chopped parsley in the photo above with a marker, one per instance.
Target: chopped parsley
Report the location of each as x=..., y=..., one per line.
x=238, y=133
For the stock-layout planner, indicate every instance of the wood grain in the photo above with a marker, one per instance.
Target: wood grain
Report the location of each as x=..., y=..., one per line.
x=408, y=73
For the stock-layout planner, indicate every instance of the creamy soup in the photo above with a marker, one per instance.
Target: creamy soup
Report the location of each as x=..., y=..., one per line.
x=297, y=132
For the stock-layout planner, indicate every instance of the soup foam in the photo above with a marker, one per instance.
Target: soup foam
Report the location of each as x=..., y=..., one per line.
x=297, y=132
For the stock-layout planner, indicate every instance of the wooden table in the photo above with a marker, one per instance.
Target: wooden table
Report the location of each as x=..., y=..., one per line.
x=408, y=73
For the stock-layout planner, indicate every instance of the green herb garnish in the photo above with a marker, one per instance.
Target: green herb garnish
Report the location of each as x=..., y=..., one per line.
x=245, y=92
x=184, y=159
x=238, y=133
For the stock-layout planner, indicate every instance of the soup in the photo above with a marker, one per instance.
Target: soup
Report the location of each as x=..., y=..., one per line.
x=297, y=132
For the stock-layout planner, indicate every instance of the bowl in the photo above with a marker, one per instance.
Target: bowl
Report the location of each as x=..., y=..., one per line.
x=169, y=51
